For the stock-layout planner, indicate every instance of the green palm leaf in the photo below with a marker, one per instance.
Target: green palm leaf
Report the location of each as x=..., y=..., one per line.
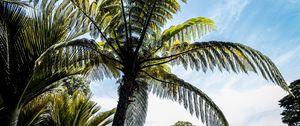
x=189, y=30
x=66, y=61
x=30, y=113
x=102, y=118
x=169, y=86
x=223, y=55
x=25, y=37
x=78, y=110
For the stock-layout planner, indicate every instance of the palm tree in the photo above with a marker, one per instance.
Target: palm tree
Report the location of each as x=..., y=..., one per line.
x=78, y=110
x=28, y=37
x=74, y=110
x=60, y=108
x=134, y=44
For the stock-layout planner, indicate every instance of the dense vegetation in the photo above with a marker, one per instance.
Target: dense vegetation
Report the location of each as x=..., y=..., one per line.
x=183, y=123
x=40, y=45
x=291, y=105
x=26, y=38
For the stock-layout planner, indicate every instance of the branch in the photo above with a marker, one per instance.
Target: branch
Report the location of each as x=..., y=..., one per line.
x=116, y=39
x=144, y=31
x=157, y=78
x=161, y=58
x=130, y=32
x=159, y=63
x=124, y=18
x=109, y=57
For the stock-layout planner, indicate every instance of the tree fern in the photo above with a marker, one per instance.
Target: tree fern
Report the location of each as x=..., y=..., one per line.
x=142, y=53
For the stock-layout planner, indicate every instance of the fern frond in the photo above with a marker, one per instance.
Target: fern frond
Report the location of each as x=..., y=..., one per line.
x=30, y=113
x=102, y=118
x=223, y=55
x=169, y=86
x=188, y=31
x=78, y=110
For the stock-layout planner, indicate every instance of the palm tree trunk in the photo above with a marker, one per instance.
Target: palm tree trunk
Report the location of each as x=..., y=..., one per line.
x=126, y=92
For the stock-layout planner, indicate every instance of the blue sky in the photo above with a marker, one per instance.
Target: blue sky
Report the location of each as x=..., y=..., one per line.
x=270, y=26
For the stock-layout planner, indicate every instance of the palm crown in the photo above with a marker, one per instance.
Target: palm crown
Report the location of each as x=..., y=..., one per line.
x=135, y=47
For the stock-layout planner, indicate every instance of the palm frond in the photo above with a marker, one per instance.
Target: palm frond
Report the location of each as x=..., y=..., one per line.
x=62, y=14
x=18, y=2
x=65, y=59
x=101, y=15
x=189, y=30
x=13, y=19
x=224, y=55
x=77, y=110
x=102, y=118
x=139, y=10
x=4, y=73
x=167, y=85
x=30, y=113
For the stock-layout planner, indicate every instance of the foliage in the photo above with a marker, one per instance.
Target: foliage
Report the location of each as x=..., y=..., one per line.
x=30, y=113
x=134, y=45
x=29, y=62
x=66, y=110
x=183, y=123
x=291, y=105
x=62, y=109
x=74, y=83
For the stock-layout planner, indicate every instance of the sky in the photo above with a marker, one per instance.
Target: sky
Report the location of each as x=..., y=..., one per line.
x=270, y=26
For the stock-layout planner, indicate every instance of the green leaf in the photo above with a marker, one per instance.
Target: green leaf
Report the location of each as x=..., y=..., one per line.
x=186, y=31
x=194, y=100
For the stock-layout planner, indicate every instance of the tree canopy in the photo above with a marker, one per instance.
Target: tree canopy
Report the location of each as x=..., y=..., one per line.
x=182, y=123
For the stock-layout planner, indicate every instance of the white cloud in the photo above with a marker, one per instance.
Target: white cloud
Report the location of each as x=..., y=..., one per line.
x=241, y=106
x=227, y=13
x=286, y=57
x=106, y=103
x=163, y=112
x=268, y=120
